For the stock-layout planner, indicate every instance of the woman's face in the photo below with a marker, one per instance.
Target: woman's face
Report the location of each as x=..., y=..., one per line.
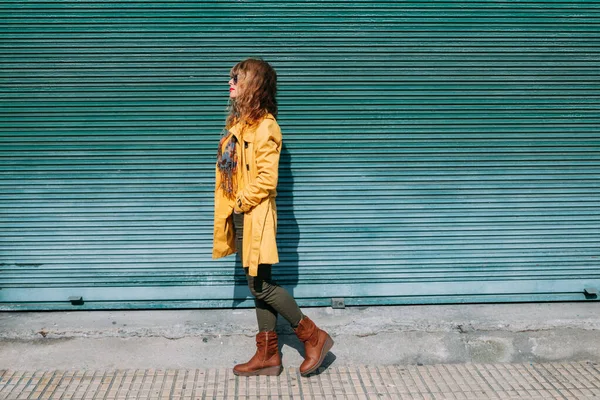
x=233, y=86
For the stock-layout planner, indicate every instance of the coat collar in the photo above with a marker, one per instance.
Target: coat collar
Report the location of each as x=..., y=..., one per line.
x=248, y=134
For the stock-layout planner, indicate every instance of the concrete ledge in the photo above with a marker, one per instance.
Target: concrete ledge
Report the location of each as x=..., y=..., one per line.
x=364, y=335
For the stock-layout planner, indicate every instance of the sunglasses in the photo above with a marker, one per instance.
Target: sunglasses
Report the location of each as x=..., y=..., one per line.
x=235, y=79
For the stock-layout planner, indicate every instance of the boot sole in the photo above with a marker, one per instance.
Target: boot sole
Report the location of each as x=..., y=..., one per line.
x=326, y=347
x=269, y=371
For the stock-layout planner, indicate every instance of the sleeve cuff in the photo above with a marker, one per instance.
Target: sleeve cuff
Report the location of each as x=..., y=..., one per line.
x=238, y=206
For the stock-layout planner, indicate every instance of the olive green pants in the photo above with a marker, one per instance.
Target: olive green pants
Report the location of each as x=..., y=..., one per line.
x=270, y=299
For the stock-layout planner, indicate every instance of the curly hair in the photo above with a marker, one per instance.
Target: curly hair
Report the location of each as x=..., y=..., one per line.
x=257, y=86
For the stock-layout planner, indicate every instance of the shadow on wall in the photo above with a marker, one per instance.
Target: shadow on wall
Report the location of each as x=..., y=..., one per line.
x=286, y=272
x=288, y=235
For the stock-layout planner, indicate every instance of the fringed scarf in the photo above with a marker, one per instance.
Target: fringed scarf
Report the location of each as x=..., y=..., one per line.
x=227, y=165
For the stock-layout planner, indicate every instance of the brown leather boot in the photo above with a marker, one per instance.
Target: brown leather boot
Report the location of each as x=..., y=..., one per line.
x=266, y=360
x=316, y=345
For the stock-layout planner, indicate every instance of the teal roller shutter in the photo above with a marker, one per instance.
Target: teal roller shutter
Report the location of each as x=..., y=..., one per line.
x=434, y=151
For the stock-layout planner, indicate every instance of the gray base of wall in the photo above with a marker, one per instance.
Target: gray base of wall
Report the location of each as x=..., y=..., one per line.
x=483, y=333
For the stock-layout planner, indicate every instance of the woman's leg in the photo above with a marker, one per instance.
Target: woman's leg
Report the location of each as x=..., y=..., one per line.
x=265, y=314
x=271, y=299
x=317, y=342
x=266, y=360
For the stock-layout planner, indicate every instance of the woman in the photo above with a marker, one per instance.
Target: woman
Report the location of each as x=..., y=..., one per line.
x=246, y=215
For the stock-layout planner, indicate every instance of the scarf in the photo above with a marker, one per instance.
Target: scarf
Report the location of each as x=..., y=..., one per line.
x=227, y=165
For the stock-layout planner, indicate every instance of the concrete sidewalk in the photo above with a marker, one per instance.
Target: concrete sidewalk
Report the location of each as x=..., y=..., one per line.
x=574, y=380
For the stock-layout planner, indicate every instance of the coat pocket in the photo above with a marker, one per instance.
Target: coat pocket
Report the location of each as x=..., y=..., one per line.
x=249, y=162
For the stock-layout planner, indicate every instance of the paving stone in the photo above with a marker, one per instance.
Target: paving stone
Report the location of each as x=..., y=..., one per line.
x=564, y=380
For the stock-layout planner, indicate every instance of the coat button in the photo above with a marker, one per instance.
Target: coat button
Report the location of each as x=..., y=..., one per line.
x=248, y=167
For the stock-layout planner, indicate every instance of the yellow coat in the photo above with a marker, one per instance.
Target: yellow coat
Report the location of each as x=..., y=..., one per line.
x=258, y=170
